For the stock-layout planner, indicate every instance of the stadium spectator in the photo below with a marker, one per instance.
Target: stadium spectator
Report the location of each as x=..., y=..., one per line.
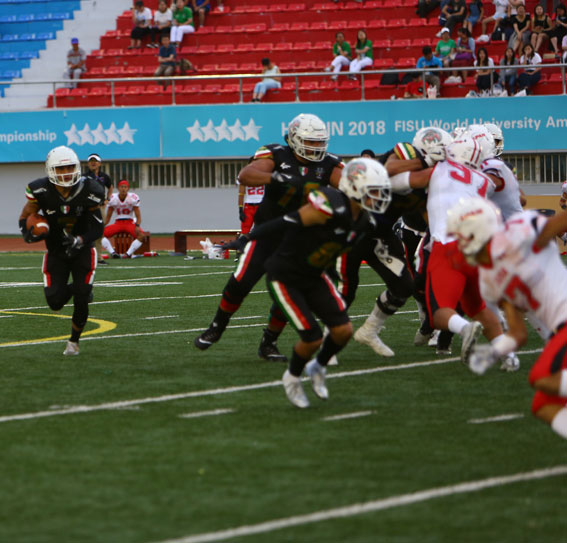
x=453, y=12
x=485, y=77
x=559, y=29
x=364, y=56
x=530, y=76
x=342, y=54
x=508, y=73
x=127, y=206
x=182, y=23
x=500, y=12
x=425, y=7
x=94, y=171
x=445, y=48
x=430, y=61
x=464, y=52
x=201, y=7
x=167, y=59
x=142, y=20
x=220, y=5
x=76, y=58
x=415, y=88
x=69, y=242
x=162, y=24
x=270, y=81
x=564, y=48
x=367, y=153
x=521, y=24
x=541, y=28
x=476, y=14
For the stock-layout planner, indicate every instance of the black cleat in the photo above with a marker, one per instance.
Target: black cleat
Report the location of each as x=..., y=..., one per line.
x=211, y=335
x=269, y=351
x=102, y=263
x=116, y=255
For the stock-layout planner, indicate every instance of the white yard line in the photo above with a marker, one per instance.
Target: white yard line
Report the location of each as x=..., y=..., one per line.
x=498, y=418
x=161, y=317
x=344, y=416
x=400, y=500
x=211, y=413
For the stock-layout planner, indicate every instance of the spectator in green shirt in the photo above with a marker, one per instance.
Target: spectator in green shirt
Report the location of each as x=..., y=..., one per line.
x=182, y=22
x=446, y=47
x=342, y=55
x=363, y=50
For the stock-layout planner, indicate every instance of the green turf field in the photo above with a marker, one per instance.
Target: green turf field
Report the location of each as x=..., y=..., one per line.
x=144, y=439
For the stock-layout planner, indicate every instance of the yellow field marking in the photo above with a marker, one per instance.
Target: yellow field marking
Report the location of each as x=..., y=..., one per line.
x=103, y=326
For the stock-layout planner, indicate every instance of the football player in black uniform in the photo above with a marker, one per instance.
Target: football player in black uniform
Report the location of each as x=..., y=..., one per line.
x=289, y=172
x=385, y=253
x=71, y=205
x=331, y=222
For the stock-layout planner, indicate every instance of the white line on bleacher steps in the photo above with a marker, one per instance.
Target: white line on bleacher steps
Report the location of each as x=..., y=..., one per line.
x=211, y=413
x=218, y=391
x=372, y=506
x=498, y=418
x=344, y=416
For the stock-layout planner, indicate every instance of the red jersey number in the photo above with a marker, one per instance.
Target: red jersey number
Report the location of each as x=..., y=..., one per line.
x=515, y=286
x=462, y=174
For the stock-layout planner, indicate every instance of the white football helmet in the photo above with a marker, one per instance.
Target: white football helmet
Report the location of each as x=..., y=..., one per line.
x=63, y=156
x=473, y=221
x=458, y=131
x=308, y=137
x=482, y=135
x=363, y=179
x=431, y=142
x=466, y=151
x=498, y=137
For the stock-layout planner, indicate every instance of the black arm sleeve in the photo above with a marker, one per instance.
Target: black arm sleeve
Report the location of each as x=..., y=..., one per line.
x=276, y=226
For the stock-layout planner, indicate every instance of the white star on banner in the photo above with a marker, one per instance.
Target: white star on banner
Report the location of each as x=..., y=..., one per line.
x=127, y=133
x=112, y=135
x=223, y=131
x=195, y=131
x=236, y=131
x=86, y=135
x=98, y=135
x=73, y=135
x=209, y=132
x=251, y=130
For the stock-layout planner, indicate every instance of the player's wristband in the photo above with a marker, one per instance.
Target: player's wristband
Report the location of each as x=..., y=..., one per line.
x=504, y=344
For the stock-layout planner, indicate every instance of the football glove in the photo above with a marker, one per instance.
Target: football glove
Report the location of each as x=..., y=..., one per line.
x=279, y=177
x=28, y=235
x=71, y=243
x=238, y=244
x=241, y=214
x=482, y=358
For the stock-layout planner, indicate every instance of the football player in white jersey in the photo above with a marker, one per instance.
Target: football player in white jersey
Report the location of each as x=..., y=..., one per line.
x=451, y=281
x=126, y=205
x=521, y=270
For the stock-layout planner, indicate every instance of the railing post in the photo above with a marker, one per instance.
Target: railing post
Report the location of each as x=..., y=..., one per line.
x=362, y=86
x=113, y=102
x=563, y=78
x=296, y=88
x=54, y=93
x=173, y=91
x=241, y=90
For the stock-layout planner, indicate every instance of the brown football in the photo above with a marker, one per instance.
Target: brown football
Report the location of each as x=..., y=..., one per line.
x=37, y=224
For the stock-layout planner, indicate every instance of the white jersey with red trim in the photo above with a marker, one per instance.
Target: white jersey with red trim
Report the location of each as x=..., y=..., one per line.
x=506, y=197
x=533, y=281
x=124, y=209
x=449, y=182
x=254, y=195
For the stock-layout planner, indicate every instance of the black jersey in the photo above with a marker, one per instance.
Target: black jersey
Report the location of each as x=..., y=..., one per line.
x=103, y=178
x=281, y=198
x=306, y=252
x=412, y=206
x=76, y=214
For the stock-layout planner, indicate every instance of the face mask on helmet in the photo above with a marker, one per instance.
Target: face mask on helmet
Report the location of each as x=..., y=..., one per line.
x=473, y=222
x=63, y=167
x=366, y=182
x=498, y=137
x=308, y=137
x=465, y=151
x=432, y=142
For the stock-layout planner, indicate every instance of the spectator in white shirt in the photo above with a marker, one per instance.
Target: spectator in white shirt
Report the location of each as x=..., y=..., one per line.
x=142, y=19
x=162, y=24
x=531, y=75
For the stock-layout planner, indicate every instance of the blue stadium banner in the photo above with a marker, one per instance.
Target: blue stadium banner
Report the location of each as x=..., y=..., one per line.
x=534, y=123
x=112, y=133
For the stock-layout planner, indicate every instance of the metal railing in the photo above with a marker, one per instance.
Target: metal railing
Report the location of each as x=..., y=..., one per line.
x=296, y=77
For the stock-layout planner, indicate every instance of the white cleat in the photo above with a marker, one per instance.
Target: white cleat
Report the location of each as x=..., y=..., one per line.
x=294, y=390
x=510, y=363
x=469, y=336
x=72, y=349
x=421, y=339
x=433, y=339
x=333, y=361
x=317, y=374
x=369, y=337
